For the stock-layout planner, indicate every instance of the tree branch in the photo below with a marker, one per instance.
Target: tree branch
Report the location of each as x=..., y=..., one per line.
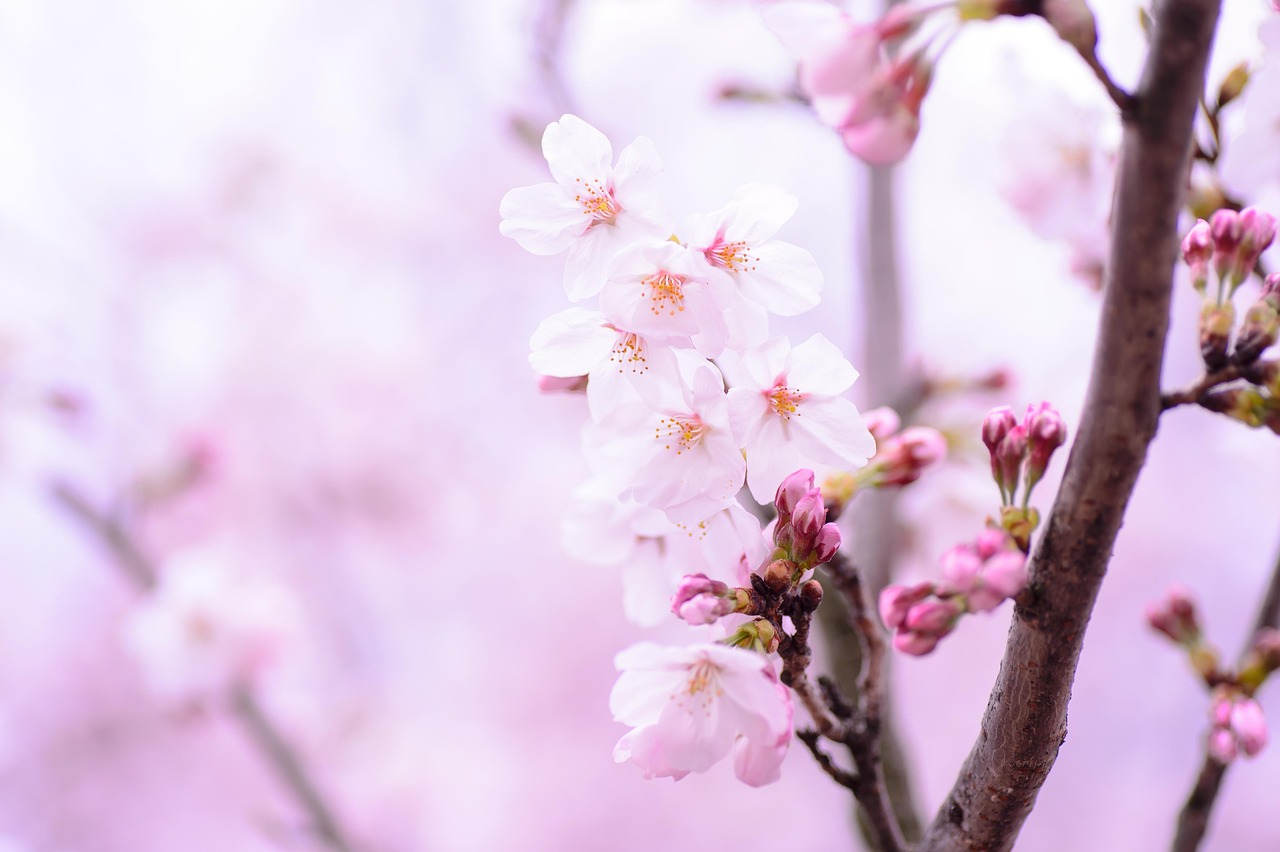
x=264, y=734
x=1025, y=721
x=1193, y=820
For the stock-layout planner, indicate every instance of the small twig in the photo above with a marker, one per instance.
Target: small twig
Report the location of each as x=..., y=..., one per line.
x=261, y=730
x=1193, y=819
x=796, y=656
x=1197, y=392
x=843, y=777
x=1122, y=98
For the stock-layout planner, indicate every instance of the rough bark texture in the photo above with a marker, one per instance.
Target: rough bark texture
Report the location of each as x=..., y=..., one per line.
x=1026, y=718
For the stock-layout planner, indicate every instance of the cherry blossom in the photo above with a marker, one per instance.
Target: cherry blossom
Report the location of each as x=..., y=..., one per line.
x=738, y=240
x=593, y=209
x=1250, y=166
x=787, y=412
x=691, y=706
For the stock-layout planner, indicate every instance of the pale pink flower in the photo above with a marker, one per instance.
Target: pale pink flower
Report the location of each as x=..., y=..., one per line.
x=737, y=240
x=594, y=209
x=207, y=626
x=690, y=706
x=679, y=455
x=788, y=413
x=621, y=365
x=659, y=290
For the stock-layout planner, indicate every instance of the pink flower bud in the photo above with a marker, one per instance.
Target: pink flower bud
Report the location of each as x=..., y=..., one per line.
x=1197, y=250
x=915, y=644
x=807, y=518
x=1008, y=459
x=960, y=567
x=826, y=544
x=701, y=600
x=996, y=425
x=1222, y=745
x=794, y=487
x=932, y=616
x=1220, y=709
x=896, y=601
x=1258, y=230
x=558, y=384
x=1006, y=573
x=882, y=423
x=1175, y=616
x=1249, y=725
x=990, y=542
x=1227, y=233
x=905, y=456
x=1046, y=431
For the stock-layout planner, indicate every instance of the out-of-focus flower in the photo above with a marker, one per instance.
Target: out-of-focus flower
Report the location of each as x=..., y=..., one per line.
x=787, y=412
x=691, y=706
x=594, y=209
x=1239, y=726
x=208, y=626
x=1250, y=162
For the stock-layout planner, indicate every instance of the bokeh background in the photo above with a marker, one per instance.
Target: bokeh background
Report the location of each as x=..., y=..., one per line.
x=254, y=308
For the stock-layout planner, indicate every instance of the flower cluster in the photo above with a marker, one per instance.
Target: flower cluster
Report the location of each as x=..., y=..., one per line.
x=869, y=81
x=1237, y=723
x=977, y=577
x=674, y=436
x=1020, y=452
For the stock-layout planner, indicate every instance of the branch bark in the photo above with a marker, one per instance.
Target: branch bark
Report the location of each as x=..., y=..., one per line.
x=1193, y=819
x=1025, y=721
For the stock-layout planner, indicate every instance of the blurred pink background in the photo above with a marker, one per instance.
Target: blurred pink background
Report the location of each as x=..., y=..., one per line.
x=261, y=237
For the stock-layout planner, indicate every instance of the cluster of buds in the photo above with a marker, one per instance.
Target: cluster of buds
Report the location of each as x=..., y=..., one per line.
x=1227, y=247
x=977, y=577
x=902, y=456
x=701, y=600
x=1238, y=725
x=1020, y=454
x=802, y=537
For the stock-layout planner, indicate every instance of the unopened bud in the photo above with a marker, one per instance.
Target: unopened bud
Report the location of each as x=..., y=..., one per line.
x=562, y=384
x=1073, y=22
x=896, y=601
x=1233, y=84
x=701, y=600
x=777, y=575
x=1216, y=322
x=1008, y=460
x=1257, y=232
x=811, y=595
x=932, y=616
x=795, y=486
x=1175, y=616
x=996, y=425
x=1249, y=725
x=1046, y=431
x=1227, y=232
x=1258, y=332
x=1197, y=250
x=905, y=456
x=826, y=544
x=1222, y=745
x=807, y=519
x=882, y=422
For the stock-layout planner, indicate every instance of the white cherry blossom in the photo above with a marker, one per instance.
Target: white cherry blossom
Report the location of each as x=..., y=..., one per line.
x=593, y=210
x=787, y=412
x=691, y=706
x=738, y=240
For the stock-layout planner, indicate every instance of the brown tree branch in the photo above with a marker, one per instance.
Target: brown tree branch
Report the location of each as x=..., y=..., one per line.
x=264, y=734
x=1025, y=721
x=1193, y=819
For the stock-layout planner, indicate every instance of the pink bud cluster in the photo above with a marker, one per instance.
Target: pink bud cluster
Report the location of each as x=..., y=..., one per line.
x=802, y=533
x=1175, y=616
x=701, y=600
x=901, y=457
x=1239, y=726
x=977, y=577
x=1233, y=241
x=1020, y=451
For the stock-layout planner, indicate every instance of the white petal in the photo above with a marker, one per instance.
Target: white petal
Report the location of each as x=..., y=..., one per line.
x=817, y=366
x=786, y=279
x=577, y=152
x=832, y=431
x=542, y=219
x=570, y=343
x=757, y=211
x=636, y=176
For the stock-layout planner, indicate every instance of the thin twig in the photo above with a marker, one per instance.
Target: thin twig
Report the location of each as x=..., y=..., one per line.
x=1123, y=99
x=796, y=656
x=1193, y=819
x=842, y=776
x=1026, y=718
x=1196, y=392
x=259, y=727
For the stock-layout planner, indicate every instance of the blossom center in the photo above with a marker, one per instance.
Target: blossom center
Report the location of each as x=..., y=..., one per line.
x=681, y=432
x=731, y=256
x=784, y=401
x=598, y=202
x=702, y=676
x=630, y=350
x=665, y=292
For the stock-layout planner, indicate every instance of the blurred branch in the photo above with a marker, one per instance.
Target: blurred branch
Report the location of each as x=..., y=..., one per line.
x=1193, y=820
x=1025, y=721
x=264, y=734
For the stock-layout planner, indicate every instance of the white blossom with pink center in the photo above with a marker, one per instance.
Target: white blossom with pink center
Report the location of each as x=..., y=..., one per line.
x=621, y=365
x=207, y=626
x=691, y=706
x=593, y=210
x=659, y=290
x=679, y=456
x=787, y=412
x=738, y=240
x=653, y=554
